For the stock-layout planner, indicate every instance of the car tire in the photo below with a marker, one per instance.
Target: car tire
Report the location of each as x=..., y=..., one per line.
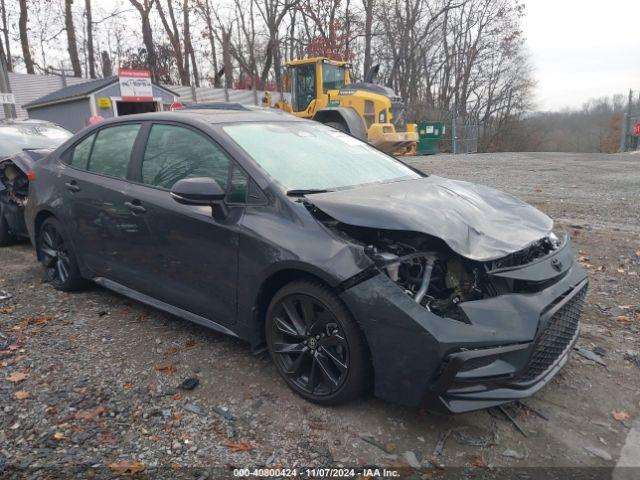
x=316, y=344
x=6, y=237
x=58, y=257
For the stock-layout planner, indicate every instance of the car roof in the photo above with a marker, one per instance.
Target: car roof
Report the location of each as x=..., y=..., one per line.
x=211, y=116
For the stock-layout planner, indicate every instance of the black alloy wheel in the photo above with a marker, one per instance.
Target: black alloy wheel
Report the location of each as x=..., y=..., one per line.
x=315, y=345
x=56, y=254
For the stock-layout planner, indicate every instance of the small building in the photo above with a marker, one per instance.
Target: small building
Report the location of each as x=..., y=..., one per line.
x=71, y=107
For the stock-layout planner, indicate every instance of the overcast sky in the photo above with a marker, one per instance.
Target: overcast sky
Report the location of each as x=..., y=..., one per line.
x=582, y=49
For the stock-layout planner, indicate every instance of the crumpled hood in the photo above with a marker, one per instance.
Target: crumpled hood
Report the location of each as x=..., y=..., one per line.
x=477, y=222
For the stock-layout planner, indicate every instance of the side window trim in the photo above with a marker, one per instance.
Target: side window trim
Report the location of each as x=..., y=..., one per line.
x=134, y=172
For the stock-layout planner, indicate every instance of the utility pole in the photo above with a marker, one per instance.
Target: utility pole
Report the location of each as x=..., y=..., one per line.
x=5, y=87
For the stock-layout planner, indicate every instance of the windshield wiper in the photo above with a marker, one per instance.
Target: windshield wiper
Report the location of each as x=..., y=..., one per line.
x=298, y=193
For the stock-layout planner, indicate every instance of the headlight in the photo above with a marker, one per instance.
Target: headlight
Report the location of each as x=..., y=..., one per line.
x=382, y=118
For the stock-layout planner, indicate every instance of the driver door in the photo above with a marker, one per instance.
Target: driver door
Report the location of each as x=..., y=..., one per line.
x=303, y=87
x=193, y=257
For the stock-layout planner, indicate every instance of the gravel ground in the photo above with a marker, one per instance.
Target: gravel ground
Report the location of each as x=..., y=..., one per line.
x=89, y=381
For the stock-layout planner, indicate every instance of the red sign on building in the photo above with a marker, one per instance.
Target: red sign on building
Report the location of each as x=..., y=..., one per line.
x=636, y=130
x=135, y=85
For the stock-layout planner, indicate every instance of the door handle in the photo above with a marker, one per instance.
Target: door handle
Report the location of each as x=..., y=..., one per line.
x=135, y=206
x=72, y=186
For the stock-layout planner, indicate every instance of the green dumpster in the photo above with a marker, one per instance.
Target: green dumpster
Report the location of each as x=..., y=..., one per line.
x=429, y=135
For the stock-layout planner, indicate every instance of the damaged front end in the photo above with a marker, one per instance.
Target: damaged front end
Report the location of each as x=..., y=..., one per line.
x=14, y=188
x=455, y=333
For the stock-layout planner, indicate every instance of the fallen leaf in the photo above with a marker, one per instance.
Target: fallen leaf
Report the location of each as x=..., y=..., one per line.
x=21, y=394
x=124, y=466
x=166, y=368
x=478, y=462
x=58, y=436
x=7, y=310
x=620, y=415
x=637, y=253
x=622, y=318
x=235, y=447
x=171, y=351
x=390, y=447
x=16, y=377
x=90, y=414
x=177, y=396
x=538, y=190
x=190, y=343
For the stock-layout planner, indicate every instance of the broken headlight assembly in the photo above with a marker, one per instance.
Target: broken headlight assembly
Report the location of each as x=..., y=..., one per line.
x=438, y=280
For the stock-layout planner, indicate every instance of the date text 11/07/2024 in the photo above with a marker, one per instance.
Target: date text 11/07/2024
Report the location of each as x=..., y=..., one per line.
x=368, y=472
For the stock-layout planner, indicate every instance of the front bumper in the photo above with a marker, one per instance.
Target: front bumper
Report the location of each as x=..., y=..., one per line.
x=512, y=346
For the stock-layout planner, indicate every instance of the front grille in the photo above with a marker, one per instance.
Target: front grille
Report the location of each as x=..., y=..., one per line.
x=555, y=338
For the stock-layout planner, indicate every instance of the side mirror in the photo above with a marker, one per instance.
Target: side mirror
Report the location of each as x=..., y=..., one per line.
x=200, y=191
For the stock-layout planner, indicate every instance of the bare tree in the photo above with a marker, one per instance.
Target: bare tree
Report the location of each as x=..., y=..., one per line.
x=173, y=32
x=144, y=9
x=368, y=33
x=203, y=9
x=273, y=13
x=90, y=52
x=5, y=32
x=72, y=46
x=24, y=37
x=188, y=45
x=107, y=69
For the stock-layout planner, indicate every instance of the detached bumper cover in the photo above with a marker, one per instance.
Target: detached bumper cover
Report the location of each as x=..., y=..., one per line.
x=513, y=345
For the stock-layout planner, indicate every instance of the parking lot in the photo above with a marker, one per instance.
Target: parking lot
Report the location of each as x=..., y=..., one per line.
x=89, y=380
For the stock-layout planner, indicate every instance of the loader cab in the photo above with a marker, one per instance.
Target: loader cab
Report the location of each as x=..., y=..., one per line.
x=312, y=79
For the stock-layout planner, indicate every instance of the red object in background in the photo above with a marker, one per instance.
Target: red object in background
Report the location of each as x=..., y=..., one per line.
x=95, y=119
x=636, y=129
x=176, y=106
x=31, y=175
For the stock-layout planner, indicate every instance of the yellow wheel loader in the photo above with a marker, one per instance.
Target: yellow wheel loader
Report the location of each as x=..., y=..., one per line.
x=321, y=90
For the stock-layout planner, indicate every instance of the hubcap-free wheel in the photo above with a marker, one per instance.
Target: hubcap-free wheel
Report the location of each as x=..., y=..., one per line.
x=57, y=256
x=309, y=345
x=54, y=254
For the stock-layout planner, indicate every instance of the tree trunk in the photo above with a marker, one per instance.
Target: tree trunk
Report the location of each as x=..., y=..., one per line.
x=71, y=38
x=226, y=59
x=5, y=30
x=174, y=38
x=212, y=41
x=107, y=69
x=188, y=46
x=368, y=32
x=90, y=52
x=24, y=38
x=147, y=35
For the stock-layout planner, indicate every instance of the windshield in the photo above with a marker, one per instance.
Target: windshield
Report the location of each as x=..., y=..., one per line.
x=16, y=137
x=312, y=156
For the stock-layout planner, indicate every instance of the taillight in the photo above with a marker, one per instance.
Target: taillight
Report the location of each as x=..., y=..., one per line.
x=31, y=175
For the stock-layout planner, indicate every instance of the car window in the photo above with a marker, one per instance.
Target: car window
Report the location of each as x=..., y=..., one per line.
x=238, y=188
x=112, y=150
x=79, y=156
x=174, y=153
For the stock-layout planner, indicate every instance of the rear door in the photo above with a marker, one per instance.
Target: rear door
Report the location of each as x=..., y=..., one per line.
x=194, y=256
x=108, y=233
